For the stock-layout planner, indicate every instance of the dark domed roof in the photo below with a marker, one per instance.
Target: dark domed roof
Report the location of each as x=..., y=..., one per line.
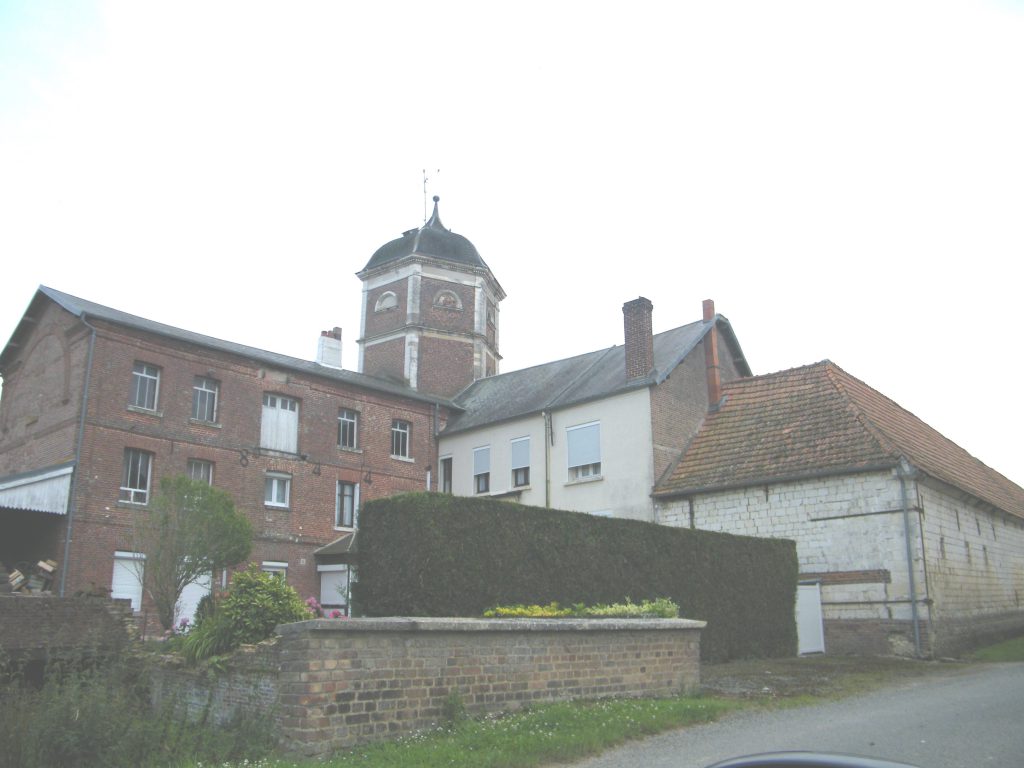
x=432, y=240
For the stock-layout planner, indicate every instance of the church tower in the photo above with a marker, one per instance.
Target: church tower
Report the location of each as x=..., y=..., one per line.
x=430, y=311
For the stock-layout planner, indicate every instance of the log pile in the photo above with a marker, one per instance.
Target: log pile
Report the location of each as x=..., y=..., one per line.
x=36, y=580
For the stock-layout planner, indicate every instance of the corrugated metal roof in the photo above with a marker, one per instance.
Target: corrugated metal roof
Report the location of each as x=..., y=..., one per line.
x=817, y=420
x=41, y=490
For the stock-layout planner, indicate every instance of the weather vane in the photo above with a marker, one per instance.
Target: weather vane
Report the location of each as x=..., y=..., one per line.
x=425, y=180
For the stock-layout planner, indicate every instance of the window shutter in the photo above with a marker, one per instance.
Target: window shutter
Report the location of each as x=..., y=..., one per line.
x=584, y=444
x=481, y=460
x=520, y=453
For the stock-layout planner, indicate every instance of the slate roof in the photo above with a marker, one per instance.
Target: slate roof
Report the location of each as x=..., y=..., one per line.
x=432, y=239
x=819, y=420
x=90, y=310
x=579, y=379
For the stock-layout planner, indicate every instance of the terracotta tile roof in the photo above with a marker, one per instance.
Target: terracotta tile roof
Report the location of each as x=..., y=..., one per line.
x=820, y=420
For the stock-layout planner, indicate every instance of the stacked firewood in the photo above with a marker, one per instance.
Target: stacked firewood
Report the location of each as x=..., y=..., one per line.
x=34, y=580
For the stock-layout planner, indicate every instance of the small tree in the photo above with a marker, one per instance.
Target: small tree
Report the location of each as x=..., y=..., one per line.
x=190, y=530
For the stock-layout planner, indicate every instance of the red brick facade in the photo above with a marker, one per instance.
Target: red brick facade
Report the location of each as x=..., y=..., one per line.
x=39, y=423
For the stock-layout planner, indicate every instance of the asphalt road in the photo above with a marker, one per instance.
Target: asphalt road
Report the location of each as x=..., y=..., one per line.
x=963, y=719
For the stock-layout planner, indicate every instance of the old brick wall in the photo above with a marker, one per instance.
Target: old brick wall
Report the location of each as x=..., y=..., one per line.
x=41, y=627
x=347, y=682
x=103, y=524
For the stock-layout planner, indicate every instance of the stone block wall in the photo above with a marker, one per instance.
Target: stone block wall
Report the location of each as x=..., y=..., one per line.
x=342, y=683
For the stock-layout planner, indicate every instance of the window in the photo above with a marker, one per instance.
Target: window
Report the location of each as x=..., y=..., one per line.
x=348, y=429
x=345, y=504
x=279, y=429
x=400, y=438
x=145, y=386
x=126, y=582
x=334, y=587
x=204, y=399
x=275, y=567
x=482, y=469
x=446, y=474
x=201, y=471
x=138, y=466
x=584, y=447
x=388, y=300
x=520, y=452
x=277, y=488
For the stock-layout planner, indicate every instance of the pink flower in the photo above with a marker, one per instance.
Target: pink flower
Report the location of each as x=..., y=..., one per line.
x=336, y=614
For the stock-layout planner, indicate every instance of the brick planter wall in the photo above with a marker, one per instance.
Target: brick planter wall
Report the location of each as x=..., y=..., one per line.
x=342, y=683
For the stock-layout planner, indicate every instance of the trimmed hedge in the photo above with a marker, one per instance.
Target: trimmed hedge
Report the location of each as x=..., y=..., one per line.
x=439, y=555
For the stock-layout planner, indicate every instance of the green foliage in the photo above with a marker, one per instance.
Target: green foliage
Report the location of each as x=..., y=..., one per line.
x=190, y=530
x=662, y=608
x=90, y=714
x=1009, y=650
x=255, y=603
x=441, y=555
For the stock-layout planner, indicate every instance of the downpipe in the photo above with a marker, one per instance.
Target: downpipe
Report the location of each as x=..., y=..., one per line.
x=903, y=476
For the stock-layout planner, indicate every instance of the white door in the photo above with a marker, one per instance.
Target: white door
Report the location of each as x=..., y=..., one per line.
x=810, y=628
x=189, y=600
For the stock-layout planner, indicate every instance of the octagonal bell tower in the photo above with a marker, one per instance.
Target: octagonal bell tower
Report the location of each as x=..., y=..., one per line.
x=429, y=311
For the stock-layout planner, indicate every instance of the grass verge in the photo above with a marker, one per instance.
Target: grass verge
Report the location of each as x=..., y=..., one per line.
x=1011, y=650
x=540, y=735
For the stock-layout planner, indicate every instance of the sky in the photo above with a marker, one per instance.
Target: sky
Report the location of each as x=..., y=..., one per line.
x=844, y=180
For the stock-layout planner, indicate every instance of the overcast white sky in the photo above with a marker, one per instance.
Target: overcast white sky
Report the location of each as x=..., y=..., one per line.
x=845, y=180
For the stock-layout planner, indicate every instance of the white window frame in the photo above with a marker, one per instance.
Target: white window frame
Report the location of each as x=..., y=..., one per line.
x=482, y=469
x=205, y=399
x=401, y=439
x=145, y=386
x=338, y=600
x=583, y=451
x=136, y=476
x=348, y=426
x=387, y=300
x=445, y=473
x=276, y=567
x=519, y=465
x=203, y=476
x=272, y=484
x=339, y=498
x=133, y=567
x=279, y=426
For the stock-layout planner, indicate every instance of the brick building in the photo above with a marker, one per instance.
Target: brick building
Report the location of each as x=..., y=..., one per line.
x=99, y=405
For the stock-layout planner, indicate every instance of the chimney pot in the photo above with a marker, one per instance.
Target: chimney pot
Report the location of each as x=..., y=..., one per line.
x=639, y=341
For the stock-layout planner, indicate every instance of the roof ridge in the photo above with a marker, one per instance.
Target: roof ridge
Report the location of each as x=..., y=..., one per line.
x=881, y=438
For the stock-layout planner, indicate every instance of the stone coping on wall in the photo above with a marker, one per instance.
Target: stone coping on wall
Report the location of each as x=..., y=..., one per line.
x=433, y=624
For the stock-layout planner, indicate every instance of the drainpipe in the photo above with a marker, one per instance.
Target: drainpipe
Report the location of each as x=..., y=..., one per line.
x=549, y=438
x=73, y=493
x=904, y=474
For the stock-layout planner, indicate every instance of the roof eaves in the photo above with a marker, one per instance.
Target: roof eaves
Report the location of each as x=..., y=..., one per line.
x=773, y=480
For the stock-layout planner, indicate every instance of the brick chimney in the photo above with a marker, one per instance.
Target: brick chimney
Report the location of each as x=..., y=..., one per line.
x=636, y=315
x=714, y=372
x=328, y=353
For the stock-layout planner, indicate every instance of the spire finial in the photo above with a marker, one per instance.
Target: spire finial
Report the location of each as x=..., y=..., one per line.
x=435, y=220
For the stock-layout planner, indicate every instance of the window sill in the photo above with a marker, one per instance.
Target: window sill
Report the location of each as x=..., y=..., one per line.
x=343, y=449
x=205, y=423
x=282, y=507
x=131, y=504
x=406, y=459
x=145, y=411
x=585, y=480
x=344, y=528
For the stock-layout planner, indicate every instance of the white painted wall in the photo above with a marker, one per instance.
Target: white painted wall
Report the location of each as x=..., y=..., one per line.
x=624, y=487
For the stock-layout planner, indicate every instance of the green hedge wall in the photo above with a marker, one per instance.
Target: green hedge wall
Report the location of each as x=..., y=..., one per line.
x=439, y=555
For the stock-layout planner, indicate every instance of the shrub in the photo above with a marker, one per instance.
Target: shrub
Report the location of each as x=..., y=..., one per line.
x=662, y=608
x=255, y=603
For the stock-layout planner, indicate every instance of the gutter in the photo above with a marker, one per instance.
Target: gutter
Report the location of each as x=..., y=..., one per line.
x=73, y=492
x=904, y=474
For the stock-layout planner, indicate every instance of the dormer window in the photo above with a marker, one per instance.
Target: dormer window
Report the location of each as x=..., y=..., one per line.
x=387, y=300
